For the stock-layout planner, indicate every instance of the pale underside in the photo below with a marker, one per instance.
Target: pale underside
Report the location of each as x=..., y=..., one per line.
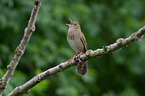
x=76, y=43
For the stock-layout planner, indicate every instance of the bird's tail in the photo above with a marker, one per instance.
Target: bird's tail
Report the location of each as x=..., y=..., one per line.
x=82, y=68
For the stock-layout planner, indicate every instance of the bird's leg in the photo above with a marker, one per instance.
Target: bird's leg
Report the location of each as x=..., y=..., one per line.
x=77, y=58
x=73, y=58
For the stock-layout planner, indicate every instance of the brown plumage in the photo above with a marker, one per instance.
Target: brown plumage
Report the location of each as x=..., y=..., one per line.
x=78, y=43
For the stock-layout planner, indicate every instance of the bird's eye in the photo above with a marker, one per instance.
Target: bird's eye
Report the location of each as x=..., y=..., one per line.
x=75, y=24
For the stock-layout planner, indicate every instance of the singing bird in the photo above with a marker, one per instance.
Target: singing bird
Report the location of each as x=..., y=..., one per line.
x=78, y=43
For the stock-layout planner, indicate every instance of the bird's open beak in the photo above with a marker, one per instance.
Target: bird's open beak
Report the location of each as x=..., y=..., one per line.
x=70, y=22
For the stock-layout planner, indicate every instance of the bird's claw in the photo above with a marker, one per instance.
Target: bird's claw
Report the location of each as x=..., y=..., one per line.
x=77, y=58
x=73, y=58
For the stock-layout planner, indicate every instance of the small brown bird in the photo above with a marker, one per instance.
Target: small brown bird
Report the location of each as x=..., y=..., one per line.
x=78, y=43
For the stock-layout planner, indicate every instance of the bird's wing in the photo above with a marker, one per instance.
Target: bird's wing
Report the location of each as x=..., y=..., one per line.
x=84, y=42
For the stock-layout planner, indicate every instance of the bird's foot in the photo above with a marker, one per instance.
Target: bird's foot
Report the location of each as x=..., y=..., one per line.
x=73, y=58
x=77, y=58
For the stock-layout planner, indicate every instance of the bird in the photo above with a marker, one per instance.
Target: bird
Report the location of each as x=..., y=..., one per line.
x=78, y=43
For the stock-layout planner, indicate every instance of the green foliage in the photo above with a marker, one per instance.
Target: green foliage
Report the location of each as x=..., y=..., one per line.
x=102, y=22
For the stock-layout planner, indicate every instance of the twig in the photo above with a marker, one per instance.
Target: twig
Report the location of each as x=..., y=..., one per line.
x=20, y=49
x=121, y=42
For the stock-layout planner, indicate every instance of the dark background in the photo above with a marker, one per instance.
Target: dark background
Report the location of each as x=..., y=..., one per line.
x=102, y=22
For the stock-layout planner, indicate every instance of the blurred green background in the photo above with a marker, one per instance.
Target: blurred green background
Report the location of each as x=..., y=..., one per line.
x=102, y=22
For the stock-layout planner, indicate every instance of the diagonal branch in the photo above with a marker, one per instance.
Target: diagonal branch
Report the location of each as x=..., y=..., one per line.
x=121, y=42
x=20, y=49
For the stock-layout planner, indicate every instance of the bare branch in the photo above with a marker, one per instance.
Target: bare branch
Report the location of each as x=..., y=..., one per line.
x=121, y=42
x=20, y=49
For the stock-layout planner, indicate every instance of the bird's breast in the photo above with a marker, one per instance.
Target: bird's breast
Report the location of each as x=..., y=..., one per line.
x=71, y=36
x=75, y=42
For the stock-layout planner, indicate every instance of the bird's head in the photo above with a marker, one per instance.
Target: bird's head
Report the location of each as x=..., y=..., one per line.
x=73, y=25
